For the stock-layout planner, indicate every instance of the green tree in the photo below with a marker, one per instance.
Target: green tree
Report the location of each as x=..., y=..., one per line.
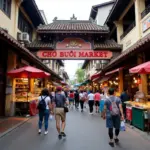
x=72, y=82
x=80, y=73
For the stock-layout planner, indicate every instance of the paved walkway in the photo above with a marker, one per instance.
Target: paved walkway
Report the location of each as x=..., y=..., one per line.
x=8, y=124
x=84, y=132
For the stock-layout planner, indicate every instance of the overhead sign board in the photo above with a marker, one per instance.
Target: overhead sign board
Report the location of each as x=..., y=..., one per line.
x=74, y=54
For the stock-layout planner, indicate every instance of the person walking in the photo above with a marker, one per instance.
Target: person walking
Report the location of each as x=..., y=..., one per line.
x=112, y=111
x=71, y=99
x=91, y=102
x=53, y=93
x=124, y=97
x=44, y=106
x=97, y=98
x=76, y=96
x=81, y=96
x=66, y=93
x=85, y=98
x=60, y=114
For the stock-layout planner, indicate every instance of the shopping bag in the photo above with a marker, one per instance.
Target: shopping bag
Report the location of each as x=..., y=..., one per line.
x=122, y=126
x=51, y=117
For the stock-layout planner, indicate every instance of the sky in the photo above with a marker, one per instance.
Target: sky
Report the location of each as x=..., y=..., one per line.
x=64, y=9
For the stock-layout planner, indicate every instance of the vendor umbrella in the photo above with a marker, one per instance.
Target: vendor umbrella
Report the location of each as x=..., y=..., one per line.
x=28, y=72
x=141, y=69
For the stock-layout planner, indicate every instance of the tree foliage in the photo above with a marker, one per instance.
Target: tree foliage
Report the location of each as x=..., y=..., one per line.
x=80, y=73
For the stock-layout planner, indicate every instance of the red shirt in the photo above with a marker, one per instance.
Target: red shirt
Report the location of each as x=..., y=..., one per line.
x=97, y=97
x=71, y=95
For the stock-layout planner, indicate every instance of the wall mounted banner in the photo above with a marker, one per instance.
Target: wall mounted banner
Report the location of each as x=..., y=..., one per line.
x=74, y=54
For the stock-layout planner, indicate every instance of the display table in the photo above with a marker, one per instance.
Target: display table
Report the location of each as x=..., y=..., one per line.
x=25, y=108
x=138, y=119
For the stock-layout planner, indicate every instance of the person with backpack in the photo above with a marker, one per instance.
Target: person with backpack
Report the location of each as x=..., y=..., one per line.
x=44, y=106
x=60, y=112
x=113, y=113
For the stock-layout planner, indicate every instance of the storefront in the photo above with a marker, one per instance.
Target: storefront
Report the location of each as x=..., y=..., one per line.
x=137, y=108
x=27, y=84
x=12, y=54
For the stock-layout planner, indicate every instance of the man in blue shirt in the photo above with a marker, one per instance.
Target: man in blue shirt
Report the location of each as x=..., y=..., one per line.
x=124, y=97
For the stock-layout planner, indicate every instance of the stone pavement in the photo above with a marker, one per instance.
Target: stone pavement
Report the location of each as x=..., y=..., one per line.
x=84, y=132
x=9, y=124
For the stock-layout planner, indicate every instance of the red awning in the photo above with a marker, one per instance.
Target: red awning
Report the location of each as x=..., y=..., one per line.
x=114, y=71
x=95, y=76
x=28, y=72
x=141, y=69
x=106, y=78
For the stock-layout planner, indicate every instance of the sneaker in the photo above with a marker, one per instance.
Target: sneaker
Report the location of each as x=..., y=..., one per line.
x=90, y=113
x=111, y=144
x=82, y=110
x=39, y=131
x=116, y=140
x=63, y=134
x=60, y=136
x=46, y=132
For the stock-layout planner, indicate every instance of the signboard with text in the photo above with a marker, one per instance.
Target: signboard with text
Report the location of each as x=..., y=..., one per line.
x=74, y=54
x=146, y=24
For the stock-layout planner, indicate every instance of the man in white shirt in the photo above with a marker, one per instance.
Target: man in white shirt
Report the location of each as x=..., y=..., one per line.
x=91, y=102
x=81, y=100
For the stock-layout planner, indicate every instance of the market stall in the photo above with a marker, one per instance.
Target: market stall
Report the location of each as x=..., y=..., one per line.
x=140, y=104
x=27, y=85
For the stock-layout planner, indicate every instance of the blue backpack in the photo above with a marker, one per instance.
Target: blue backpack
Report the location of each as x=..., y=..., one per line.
x=42, y=104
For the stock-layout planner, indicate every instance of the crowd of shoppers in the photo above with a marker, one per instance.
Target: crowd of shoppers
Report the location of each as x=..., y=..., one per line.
x=108, y=104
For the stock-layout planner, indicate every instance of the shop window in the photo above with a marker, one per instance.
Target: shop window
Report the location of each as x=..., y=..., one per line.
x=24, y=25
x=5, y=6
x=128, y=22
x=147, y=3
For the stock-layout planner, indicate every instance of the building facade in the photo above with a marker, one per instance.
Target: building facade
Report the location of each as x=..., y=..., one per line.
x=129, y=20
x=75, y=39
x=17, y=28
x=99, y=14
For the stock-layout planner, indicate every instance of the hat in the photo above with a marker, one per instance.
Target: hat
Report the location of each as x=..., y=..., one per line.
x=59, y=88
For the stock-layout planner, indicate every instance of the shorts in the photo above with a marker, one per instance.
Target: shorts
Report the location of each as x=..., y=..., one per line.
x=97, y=103
x=71, y=99
x=60, y=114
x=113, y=122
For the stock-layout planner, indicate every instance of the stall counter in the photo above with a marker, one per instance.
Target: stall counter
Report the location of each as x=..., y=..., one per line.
x=138, y=113
x=26, y=107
